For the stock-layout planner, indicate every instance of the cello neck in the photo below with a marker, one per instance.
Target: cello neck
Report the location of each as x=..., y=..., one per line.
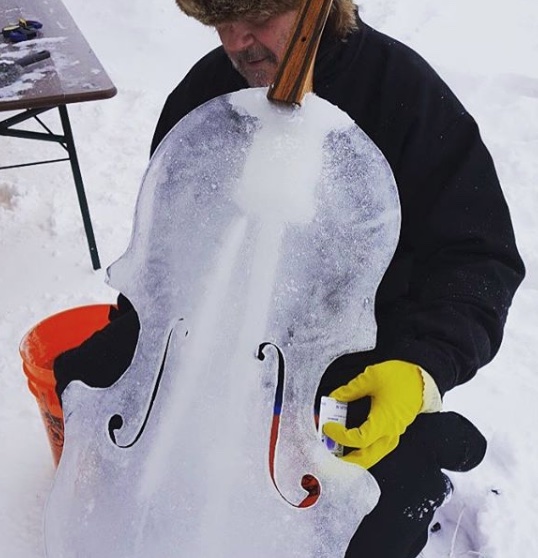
x=296, y=72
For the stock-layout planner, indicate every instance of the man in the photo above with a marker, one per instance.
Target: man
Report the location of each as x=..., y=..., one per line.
x=443, y=301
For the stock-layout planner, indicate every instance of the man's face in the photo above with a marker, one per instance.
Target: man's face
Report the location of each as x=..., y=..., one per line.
x=256, y=45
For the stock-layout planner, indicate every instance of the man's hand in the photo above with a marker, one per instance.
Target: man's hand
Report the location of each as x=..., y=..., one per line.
x=396, y=389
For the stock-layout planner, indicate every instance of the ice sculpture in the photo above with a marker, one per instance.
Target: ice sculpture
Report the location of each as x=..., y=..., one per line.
x=261, y=234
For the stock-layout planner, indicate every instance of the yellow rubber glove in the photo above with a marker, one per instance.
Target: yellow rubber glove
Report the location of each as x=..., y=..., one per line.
x=396, y=389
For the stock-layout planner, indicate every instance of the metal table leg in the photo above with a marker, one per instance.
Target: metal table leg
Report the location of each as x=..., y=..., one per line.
x=79, y=185
x=67, y=142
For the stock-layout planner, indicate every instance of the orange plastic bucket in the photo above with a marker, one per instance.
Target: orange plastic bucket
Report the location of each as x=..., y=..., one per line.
x=38, y=349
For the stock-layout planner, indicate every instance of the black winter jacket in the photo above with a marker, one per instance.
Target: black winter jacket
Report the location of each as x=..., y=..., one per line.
x=444, y=299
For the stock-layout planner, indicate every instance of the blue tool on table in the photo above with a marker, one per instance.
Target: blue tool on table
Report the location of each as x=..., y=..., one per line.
x=24, y=30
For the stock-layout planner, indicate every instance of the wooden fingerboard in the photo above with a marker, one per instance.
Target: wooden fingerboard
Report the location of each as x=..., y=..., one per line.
x=296, y=72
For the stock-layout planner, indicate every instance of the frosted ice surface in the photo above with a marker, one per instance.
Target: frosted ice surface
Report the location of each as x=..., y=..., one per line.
x=260, y=237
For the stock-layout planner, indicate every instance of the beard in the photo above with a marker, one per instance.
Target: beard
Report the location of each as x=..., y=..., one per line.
x=257, y=64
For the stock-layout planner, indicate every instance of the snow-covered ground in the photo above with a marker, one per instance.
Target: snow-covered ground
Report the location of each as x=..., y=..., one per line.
x=486, y=51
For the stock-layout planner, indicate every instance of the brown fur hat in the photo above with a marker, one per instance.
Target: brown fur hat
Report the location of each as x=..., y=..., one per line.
x=212, y=12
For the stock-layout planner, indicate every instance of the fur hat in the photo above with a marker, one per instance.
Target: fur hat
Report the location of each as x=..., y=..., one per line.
x=213, y=12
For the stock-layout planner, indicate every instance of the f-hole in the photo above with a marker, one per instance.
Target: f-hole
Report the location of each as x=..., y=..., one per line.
x=116, y=422
x=309, y=483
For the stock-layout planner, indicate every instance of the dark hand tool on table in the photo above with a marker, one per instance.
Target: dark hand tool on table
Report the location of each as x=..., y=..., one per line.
x=11, y=70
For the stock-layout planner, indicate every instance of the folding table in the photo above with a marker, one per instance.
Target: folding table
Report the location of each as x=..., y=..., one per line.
x=72, y=74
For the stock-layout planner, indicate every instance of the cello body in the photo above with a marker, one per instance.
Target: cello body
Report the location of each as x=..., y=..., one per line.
x=260, y=236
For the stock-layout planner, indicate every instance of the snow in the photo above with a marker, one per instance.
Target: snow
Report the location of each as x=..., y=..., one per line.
x=486, y=54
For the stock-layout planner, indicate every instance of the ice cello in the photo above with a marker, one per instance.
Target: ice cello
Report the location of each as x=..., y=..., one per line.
x=244, y=264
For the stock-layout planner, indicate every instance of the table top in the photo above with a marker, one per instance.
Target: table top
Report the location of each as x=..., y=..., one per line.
x=72, y=74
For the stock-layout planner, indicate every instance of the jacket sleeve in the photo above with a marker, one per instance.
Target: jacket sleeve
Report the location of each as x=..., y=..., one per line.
x=103, y=358
x=210, y=77
x=466, y=265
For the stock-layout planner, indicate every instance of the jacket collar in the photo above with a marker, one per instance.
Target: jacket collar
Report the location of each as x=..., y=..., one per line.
x=332, y=53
